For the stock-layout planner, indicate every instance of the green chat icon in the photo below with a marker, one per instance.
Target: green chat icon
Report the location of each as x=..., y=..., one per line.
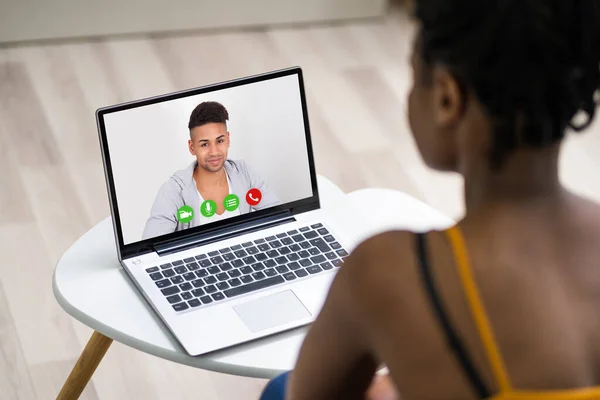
x=185, y=214
x=208, y=208
x=231, y=202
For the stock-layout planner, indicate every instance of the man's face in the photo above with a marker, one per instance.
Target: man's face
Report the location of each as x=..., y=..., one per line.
x=210, y=143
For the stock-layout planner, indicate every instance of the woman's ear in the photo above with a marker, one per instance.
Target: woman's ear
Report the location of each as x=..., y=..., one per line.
x=448, y=99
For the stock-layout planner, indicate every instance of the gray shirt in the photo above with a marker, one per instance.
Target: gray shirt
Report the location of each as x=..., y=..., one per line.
x=181, y=190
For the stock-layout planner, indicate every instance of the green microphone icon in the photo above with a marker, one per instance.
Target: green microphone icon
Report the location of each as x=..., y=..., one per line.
x=208, y=208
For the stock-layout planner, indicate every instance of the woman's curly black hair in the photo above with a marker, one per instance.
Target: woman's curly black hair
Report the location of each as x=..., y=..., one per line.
x=533, y=64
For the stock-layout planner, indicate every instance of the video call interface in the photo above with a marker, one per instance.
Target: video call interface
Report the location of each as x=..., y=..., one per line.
x=200, y=159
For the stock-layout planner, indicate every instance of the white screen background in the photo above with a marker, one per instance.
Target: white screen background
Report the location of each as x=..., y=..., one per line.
x=148, y=144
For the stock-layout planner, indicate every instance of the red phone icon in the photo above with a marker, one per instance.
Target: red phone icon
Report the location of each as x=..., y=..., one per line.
x=253, y=197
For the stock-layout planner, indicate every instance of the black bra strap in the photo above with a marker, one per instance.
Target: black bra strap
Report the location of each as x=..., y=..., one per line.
x=451, y=336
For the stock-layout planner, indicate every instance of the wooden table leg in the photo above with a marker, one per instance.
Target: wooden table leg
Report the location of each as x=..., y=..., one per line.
x=84, y=368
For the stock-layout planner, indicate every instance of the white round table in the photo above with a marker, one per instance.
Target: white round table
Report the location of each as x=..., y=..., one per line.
x=91, y=286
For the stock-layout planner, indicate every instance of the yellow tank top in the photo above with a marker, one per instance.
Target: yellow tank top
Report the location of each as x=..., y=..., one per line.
x=507, y=392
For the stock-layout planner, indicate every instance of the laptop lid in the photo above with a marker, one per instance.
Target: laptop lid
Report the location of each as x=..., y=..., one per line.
x=207, y=163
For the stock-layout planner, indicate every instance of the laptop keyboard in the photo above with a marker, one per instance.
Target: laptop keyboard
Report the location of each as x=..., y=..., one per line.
x=240, y=269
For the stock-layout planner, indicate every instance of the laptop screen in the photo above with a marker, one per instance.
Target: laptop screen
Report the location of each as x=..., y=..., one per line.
x=199, y=158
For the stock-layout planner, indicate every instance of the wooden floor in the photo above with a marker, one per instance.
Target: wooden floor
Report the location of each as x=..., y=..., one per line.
x=52, y=186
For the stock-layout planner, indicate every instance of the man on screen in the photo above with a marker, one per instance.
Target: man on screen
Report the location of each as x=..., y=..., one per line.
x=213, y=187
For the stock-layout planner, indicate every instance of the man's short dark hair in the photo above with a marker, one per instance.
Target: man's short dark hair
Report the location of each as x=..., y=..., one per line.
x=208, y=112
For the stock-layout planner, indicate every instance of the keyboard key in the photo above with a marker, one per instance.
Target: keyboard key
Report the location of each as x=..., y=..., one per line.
x=314, y=251
x=284, y=250
x=259, y=241
x=218, y=296
x=281, y=260
x=222, y=285
x=264, y=283
x=151, y=270
x=273, y=253
x=202, y=273
x=217, y=260
x=304, y=254
x=174, y=299
x=235, y=273
x=209, y=280
x=210, y=289
x=205, y=263
x=261, y=257
x=294, y=266
x=225, y=250
x=301, y=273
x=275, y=244
x=311, y=235
x=246, y=270
x=304, y=229
x=305, y=245
x=336, y=245
x=177, y=280
x=287, y=241
x=331, y=255
x=258, y=275
x=214, y=270
x=190, y=276
x=317, y=225
x=225, y=267
x=228, y=256
x=198, y=283
x=323, y=231
x=222, y=276
x=270, y=272
x=186, y=296
x=315, y=269
x=298, y=238
x=329, y=238
x=318, y=259
x=252, y=250
x=193, y=267
x=165, y=266
x=293, y=257
x=295, y=247
x=337, y=263
x=246, y=279
x=170, y=290
x=264, y=247
x=292, y=232
x=236, y=247
x=213, y=253
x=282, y=269
x=250, y=260
x=247, y=244
x=326, y=266
x=270, y=263
x=281, y=235
x=180, y=307
x=163, y=284
x=189, y=260
x=235, y=282
x=321, y=245
x=194, y=303
x=198, y=292
x=201, y=257
x=185, y=287
x=258, y=267
x=289, y=276
x=178, y=262
x=270, y=238
x=237, y=263
x=181, y=270
x=156, y=276
x=206, y=299
x=241, y=253
x=305, y=262
x=342, y=253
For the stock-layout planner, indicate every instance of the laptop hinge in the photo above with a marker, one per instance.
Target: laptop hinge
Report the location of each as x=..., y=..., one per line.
x=219, y=234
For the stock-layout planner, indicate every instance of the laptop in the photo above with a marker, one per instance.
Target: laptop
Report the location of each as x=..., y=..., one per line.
x=216, y=209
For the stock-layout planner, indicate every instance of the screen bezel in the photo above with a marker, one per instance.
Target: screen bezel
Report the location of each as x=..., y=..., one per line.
x=145, y=246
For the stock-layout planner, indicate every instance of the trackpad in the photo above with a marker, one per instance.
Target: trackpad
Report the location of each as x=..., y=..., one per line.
x=270, y=311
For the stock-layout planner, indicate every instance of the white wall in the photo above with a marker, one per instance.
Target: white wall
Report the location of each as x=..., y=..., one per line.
x=148, y=144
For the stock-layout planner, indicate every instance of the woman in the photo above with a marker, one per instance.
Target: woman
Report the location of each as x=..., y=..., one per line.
x=505, y=305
